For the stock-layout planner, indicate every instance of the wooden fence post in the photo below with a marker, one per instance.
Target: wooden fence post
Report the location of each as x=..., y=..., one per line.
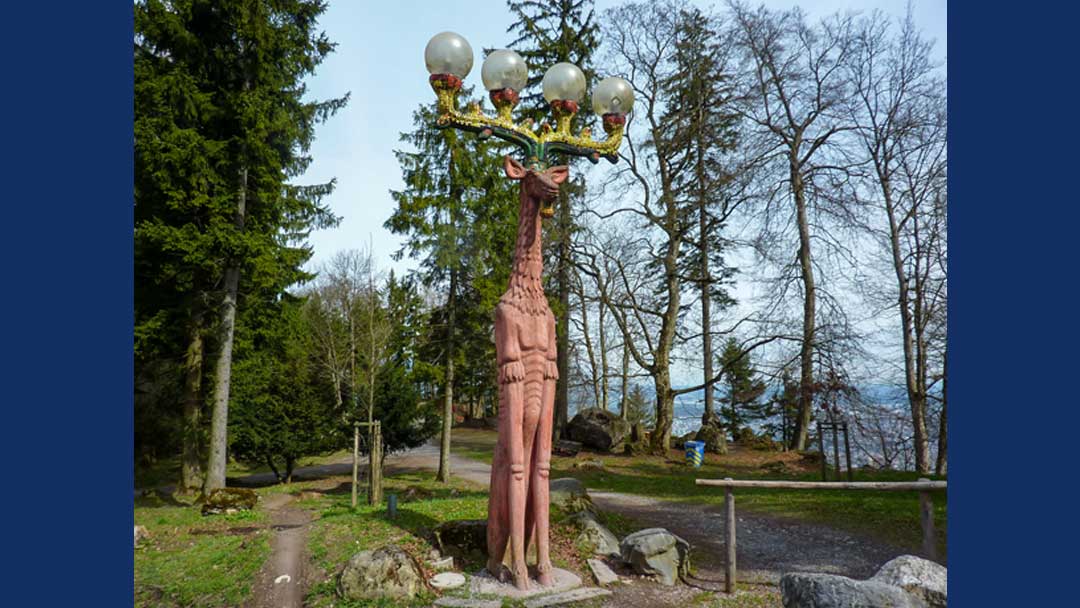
x=355, y=461
x=847, y=453
x=824, y=460
x=729, y=506
x=836, y=449
x=926, y=508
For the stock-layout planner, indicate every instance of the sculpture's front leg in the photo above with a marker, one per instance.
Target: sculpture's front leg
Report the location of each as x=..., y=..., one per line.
x=508, y=479
x=542, y=461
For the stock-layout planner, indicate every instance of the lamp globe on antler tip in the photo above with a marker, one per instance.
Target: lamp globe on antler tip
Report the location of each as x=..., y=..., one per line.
x=448, y=53
x=613, y=95
x=564, y=82
x=504, y=69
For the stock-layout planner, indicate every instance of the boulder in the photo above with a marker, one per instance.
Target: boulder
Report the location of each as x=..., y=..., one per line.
x=657, y=553
x=806, y=590
x=594, y=537
x=569, y=495
x=921, y=578
x=465, y=539
x=713, y=436
x=597, y=429
x=679, y=442
x=141, y=534
x=565, y=447
x=385, y=572
x=592, y=464
x=229, y=500
x=636, y=448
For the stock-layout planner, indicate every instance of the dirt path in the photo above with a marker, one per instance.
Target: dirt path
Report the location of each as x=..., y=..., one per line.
x=283, y=579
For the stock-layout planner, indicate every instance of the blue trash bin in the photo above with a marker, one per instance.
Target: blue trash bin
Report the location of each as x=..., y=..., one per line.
x=695, y=453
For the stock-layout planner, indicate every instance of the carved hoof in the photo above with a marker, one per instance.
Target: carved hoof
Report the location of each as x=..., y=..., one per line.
x=521, y=579
x=499, y=572
x=545, y=579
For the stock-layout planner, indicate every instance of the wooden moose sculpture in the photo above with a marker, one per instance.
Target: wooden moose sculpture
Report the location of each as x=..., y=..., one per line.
x=525, y=348
x=524, y=324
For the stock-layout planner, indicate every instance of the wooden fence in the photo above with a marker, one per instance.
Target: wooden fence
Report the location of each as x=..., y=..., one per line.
x=923, y=486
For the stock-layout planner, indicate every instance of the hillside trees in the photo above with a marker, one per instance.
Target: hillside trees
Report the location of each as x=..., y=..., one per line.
x=792, y=91
x=221, y=129
x=899, y=108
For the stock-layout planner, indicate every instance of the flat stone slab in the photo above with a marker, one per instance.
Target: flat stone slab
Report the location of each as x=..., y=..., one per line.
x=601, y=572
x=467, y=602
x=574, y=595
x=447, y=580
x=484, y=583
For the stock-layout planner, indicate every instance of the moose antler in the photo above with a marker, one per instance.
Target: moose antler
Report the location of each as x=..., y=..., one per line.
x=536, y=146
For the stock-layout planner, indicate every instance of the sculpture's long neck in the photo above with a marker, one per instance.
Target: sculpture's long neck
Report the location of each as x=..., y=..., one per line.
x=526, y=289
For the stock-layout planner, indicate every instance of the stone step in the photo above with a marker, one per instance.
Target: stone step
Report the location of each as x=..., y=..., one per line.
x=565, y=597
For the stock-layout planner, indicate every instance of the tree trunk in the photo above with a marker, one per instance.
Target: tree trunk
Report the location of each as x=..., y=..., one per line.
x=273, y=467
x=191, y=471
x=589, y=351
x=806, y=351
x=290, y=464
x=448, y=390
x=660, y=438
x=219, y=423
x=941, y=466
x=603, y=357
x=562, y=330
x=625, y=379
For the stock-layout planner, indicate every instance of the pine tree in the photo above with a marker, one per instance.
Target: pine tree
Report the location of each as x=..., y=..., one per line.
x=221, y=129
x=546, y=33
x=700, y=129
x=744, y=388
x=456, y=210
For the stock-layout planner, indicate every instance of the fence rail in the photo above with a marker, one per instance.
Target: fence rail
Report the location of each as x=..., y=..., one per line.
x=923, y=486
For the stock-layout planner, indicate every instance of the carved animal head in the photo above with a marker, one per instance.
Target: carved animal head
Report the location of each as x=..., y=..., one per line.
x=539, y=186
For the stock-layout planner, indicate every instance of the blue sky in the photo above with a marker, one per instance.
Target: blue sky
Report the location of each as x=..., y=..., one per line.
x=379, y=59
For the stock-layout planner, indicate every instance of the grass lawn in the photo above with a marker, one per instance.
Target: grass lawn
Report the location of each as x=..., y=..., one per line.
x=889, y=516
x=191, y=560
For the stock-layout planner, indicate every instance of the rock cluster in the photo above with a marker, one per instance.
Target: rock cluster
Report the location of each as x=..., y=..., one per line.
x=229, y=500
x=904, y=582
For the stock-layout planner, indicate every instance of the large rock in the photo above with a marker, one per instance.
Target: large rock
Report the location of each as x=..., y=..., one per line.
x=921, y=578
x=598, y=429
x=229, y=500
x=569, y=495
x=713, y=436
x=385, y=572
x=464, y=539
x=594, y=537
x=565, y=447
x=806, y=590
x=679, y=442
x=657, y=553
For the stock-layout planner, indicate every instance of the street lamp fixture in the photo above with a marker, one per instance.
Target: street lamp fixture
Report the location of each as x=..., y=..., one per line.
x=449, y=60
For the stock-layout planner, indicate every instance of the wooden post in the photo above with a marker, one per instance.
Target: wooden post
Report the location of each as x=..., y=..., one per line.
x=729, y=507
x=824, y=460
x=375, y=464
x=847, y=453
x=835, y=449
x=355, y=461
x=926, y=508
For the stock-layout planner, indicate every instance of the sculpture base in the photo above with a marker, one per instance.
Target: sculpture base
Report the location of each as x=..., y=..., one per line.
x=483, y=583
